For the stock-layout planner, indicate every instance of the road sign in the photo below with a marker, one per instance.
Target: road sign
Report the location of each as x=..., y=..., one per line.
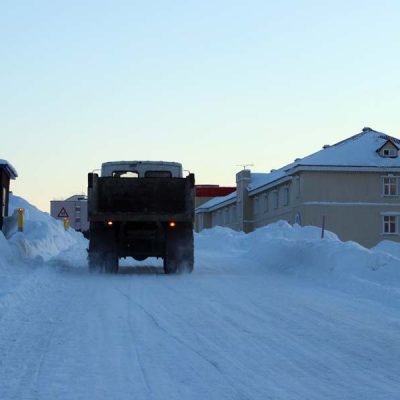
x=63, y=213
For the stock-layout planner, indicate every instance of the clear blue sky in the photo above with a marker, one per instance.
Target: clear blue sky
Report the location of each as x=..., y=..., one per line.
x=211, y=84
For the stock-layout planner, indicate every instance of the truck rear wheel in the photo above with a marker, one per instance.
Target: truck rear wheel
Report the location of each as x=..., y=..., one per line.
x=103, y=254
x=179, y=250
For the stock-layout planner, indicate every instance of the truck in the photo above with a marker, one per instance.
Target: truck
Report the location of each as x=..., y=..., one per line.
x=141, y=209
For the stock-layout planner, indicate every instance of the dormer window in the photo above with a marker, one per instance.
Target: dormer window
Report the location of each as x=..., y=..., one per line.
x=389, y=153
x=388, y=150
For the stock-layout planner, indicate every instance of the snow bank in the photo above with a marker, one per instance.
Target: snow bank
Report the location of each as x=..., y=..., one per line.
x=300, y=251
x=44, y=238
x=276, y=248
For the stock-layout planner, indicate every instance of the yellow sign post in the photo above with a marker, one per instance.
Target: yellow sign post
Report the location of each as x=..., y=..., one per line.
x=66, y=223
x=20, y=219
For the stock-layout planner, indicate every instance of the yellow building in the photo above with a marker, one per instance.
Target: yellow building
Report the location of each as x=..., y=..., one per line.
x=353, y=185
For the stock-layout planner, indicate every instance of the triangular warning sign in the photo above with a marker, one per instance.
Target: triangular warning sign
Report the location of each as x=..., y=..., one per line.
x=63, y=213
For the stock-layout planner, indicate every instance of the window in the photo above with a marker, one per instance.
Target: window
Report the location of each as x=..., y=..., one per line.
x=266, y=202
x=157, y=174
x=390, y=186
x=125, y=174
x=233, y=212
x=256, y=205
x=286, y=196
x=390, y=224
x=275, y=199
x=389, y=153
x=297, y=186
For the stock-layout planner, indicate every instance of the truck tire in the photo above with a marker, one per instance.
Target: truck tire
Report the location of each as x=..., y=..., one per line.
x=170, y=260
x=179, y=250
x=103, y=254
x=185, y=249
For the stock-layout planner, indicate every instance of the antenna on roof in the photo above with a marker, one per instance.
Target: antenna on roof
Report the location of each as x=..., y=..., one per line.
x=245, y=165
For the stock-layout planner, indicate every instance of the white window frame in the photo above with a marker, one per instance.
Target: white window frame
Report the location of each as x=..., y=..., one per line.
x=298, y=187
x=391, y=153
x=256, y=208
x=233, y=211
x=387, y=221
x=266, y=202
x=286, y=196
x=275, y=199
x=226, y=216
x=388, y=182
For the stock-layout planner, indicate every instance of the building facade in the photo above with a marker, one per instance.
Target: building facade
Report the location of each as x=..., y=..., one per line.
x=353, y=186
x=7, y=172
x=75, y=209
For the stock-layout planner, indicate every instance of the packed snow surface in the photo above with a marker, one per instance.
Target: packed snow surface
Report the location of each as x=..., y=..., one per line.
x=276, y=314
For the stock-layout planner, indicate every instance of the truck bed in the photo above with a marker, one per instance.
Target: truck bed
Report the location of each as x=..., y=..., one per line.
x=141, y=198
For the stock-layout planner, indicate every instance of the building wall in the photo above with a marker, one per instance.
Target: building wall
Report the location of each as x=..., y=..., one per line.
x=361, y=224
x=77, y=212
x=225, y=216
x=273, y=204
x=353, y=203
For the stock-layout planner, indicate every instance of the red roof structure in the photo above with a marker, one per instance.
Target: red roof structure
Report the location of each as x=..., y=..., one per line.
x=213, y=190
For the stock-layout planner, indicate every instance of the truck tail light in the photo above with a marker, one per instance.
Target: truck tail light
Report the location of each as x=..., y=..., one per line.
x=172, y=224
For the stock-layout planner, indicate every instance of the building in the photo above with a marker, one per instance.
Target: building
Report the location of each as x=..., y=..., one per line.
x=7, y=172
x=204, y=193
x=353, y=185
x=74, y=208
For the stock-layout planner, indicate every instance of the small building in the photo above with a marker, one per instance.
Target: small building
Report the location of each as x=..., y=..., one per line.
x=7, y=172
x=75, y=208
x=204, y=193
x=353, y=186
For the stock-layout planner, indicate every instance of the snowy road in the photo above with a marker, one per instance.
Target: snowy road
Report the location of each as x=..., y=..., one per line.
x=215, y=334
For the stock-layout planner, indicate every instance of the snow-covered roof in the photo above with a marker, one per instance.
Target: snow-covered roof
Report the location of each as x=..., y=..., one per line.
x=216, y=201
x=263, y=179
x=357, y=151
x=77, y=197
x=9, y=168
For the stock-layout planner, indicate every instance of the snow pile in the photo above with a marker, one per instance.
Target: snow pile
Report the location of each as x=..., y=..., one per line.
x=6, y=252
x=44, y=238
x=300, y=251
x=389, y=247
x=276, y=248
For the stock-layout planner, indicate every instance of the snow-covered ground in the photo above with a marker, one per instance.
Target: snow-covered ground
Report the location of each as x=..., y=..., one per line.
x=275, y=314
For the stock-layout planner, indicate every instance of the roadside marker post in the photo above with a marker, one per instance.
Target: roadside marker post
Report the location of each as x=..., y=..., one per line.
x=20, y=220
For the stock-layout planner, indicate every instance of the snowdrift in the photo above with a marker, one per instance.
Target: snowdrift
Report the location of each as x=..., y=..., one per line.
x=300, y=251
x=44, y=239
x=279, y=248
